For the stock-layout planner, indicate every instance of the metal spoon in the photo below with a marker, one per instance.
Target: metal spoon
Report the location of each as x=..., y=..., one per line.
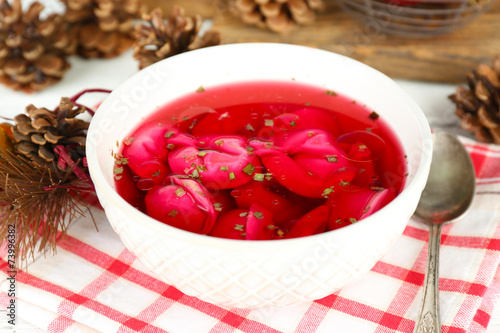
x=447, y=196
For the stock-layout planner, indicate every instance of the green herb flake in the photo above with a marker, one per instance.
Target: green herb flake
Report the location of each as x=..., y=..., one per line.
x=224, y=168
x=280, y=233
x=202, y=194
x=218, y=206
x=200, y=89
x=202, y=153
x=269, y=122
x=369, y=129
x=239, y=227
x=339, y=221
x=309, y=134
x=180, y=192
x=332, y=158
x=258, y=177
x=118, y=170
x=343, y=183
x=170, y=146
x=331, y=93
x=195, y=173
x=231, y=176
x=243, y=214
x=374, y=116
x=250, y=149
x=258, y=215
x=219, y=143
x=249, y=169
x=377, y=188
x=185, y=118
x=173, y=213
x=407, y=174
x=310, y=173
x=129, y=141
x=268, y=145
x=293, y=123
x=271, y=227
x=156, y=174
x=327, y=192
x=250, y=127
x=353, y=220
x=361, y=170
x=307, y=104
x=120, y=160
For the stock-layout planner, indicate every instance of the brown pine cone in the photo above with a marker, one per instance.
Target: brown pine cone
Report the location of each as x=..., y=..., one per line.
x=479, y=106
x=37, y=133
x=103, y=28
x=277, y=15
x=32, y=51
x=160, y=39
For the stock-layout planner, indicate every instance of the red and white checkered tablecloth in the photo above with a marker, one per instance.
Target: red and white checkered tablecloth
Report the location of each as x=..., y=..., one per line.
x=94, y=284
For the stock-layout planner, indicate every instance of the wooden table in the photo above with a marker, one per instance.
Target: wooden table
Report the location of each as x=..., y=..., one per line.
x=445, y=58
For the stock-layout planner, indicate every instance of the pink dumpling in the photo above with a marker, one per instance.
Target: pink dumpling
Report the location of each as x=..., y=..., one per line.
x=312, y=223
x=231, y=224
x=306, y=118
x=285, y=205
x=219, y=162
x=146, y=152
x=350, y=207
x=308, y=163
x=184, y=204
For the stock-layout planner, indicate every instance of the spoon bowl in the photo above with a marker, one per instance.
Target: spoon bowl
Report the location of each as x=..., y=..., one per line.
x=447, y=196
x=450, y=188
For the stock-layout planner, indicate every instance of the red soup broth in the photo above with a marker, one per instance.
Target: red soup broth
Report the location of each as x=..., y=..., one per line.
x=261, y=161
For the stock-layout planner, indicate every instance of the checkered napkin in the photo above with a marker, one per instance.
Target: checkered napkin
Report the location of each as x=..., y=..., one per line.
x=94, y=284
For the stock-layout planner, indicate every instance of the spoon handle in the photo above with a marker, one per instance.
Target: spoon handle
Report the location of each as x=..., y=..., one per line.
x=428, y=321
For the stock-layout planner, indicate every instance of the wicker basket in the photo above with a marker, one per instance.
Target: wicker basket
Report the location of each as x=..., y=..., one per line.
x=422, y=19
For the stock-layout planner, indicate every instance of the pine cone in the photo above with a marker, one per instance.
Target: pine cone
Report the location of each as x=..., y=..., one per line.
x=32, y=51
x=37, y=133
x=479, y=106
x=160, y=39
x=277, y=15
x=103, y=28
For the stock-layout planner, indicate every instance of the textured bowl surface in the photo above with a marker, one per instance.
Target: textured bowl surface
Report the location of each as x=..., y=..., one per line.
x=247, y=274
x=415, y=18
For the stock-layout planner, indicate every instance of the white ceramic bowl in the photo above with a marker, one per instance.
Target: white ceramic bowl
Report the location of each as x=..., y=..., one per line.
x=250, y=274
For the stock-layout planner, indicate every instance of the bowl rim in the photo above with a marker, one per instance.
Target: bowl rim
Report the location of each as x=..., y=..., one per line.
x=417, y=182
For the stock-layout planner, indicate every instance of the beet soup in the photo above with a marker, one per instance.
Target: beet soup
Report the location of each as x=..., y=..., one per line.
x=261, y=161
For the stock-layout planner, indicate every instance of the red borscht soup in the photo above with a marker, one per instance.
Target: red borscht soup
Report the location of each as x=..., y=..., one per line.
x=261, y=161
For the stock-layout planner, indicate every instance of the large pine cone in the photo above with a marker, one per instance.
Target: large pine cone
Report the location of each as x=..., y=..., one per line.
x=277, y=15
x=32, y=51
x=38, y=132
x=160, y=39
x=103, y=27
x=479, y=106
